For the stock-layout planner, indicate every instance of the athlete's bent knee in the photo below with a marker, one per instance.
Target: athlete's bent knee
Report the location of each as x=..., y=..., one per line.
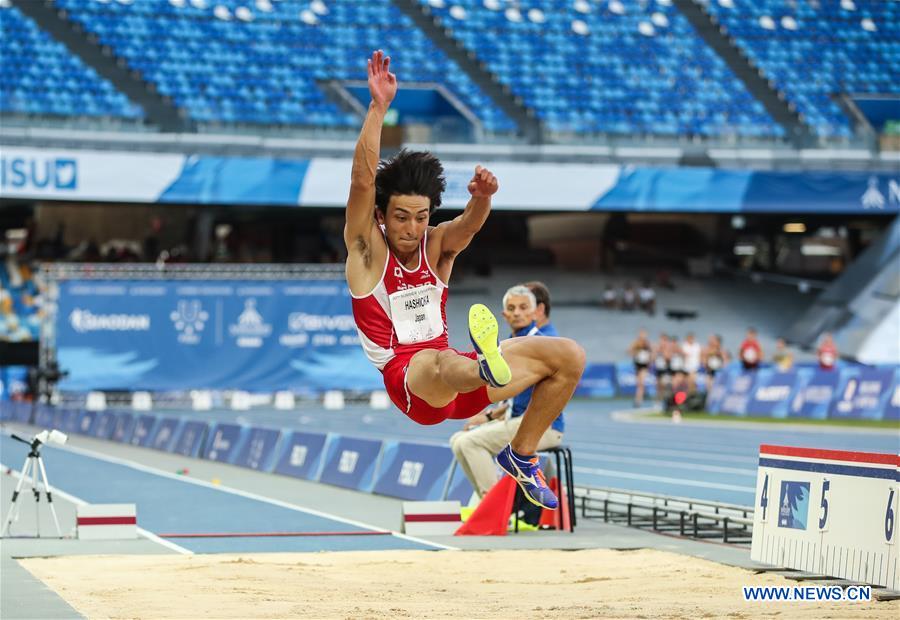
x=570, y=355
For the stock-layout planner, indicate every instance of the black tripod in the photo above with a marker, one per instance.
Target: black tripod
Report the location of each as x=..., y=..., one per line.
x=33, y=467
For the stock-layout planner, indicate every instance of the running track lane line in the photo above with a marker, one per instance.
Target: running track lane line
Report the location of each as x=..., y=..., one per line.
x=246, y=494
x=80, y=502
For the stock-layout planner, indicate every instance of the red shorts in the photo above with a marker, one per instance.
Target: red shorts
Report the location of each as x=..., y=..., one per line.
x=463, y=406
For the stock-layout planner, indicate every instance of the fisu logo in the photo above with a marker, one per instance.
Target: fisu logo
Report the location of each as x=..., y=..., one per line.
x=45, y=173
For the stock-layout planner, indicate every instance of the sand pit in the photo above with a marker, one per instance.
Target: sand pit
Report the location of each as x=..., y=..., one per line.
x=422, y=584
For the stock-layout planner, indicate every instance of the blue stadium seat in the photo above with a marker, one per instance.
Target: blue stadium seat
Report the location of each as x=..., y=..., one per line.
x=586, y=67
x=812, y=51
x=264, y=64
x=39, y=76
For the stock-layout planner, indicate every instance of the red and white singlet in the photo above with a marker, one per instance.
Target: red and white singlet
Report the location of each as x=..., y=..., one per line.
x=404, y=313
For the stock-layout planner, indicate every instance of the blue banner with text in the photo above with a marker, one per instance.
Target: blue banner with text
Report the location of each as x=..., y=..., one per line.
x=174, y=335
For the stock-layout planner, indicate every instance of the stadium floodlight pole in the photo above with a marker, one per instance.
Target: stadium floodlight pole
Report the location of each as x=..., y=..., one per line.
x=33, y=466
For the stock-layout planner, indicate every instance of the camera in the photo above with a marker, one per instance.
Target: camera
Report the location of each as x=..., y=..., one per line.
x=42, y=380
x=51, y=437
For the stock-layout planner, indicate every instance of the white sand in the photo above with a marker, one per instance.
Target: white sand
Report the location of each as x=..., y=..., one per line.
x=423, y=584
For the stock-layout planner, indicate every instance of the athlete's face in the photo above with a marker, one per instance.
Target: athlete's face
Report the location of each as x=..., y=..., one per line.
x=518, y=312
x=405, y=222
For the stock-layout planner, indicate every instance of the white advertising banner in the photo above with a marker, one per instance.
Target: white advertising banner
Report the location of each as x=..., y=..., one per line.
x=70, y=174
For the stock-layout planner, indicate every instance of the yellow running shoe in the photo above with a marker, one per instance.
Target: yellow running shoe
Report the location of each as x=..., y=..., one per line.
x=484, y=333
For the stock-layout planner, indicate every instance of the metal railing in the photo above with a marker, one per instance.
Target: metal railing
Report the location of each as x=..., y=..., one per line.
x=681, y=516
x=193, y=271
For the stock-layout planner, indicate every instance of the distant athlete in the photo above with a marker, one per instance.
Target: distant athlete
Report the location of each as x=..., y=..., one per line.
x=397, y=271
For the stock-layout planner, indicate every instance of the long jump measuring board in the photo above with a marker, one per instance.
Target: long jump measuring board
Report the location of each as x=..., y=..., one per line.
x=828, y=512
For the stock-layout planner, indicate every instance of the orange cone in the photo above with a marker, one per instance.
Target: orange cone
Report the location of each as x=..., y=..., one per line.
x=491, y=518
x=559, y=518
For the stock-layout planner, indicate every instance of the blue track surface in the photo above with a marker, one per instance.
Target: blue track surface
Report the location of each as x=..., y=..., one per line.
x=712, y=463
x=171, y=505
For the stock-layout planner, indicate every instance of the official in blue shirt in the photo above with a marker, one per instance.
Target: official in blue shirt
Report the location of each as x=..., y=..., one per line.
x=526, y=309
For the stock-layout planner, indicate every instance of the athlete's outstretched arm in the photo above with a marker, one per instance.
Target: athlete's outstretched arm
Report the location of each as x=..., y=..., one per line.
x=361, y=203
x=458, y=232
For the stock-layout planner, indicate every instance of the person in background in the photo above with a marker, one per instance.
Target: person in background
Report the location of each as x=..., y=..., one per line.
x=714, y=356
x=827, y=352
x=750, y=352
x=610, y=297
x=661, y=354
x=629, y=298
x=647, y=298
x=782, y=358
x=676, y=360
x=641, y=351
x=542, y=310
x=693, y=354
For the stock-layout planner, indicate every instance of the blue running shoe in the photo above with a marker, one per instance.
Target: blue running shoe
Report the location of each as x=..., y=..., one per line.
x=484, y=333
x=529, y=477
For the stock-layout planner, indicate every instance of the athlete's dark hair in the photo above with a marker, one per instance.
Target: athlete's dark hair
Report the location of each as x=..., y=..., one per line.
x=410, y=173
x=541, y=295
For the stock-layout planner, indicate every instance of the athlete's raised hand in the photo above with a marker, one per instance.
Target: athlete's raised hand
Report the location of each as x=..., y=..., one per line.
x=483, y=184
x=382, y=83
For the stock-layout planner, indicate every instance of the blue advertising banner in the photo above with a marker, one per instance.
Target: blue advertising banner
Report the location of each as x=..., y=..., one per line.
x=85, y=422
x=124, y=427
x=350, y=463
x=719, y=390
x=147, y=177
x=58, y=419
x=598, y=381
x=739, y=390
x=892, y=408
x=164, y=435
x=678, y=189
x=69, y=420
x=143, y=428
x=301, y=455
x=414, y=471
x=863, y=394
x=105, y=425
x=626, y=380
x=258, y=451
x=773, y=393
x=813, y=396
x=190, y=438
x=460, y=487
x=45, y=417
x=176, y=335
x=224, y=442
x=22, y=412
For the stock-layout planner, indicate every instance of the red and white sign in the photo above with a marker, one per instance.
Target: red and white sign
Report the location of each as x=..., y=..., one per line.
x=107, y=521
x=431, y=518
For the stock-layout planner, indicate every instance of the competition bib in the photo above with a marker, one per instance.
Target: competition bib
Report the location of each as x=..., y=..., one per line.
x=714, y=362
x=750, y=355
x=642, y=356
x=677, y=363
x=827, y=358
x=416, y=314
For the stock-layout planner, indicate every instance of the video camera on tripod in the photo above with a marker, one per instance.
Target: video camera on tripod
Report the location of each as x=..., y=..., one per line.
x=42, y=380
x=34, y=468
